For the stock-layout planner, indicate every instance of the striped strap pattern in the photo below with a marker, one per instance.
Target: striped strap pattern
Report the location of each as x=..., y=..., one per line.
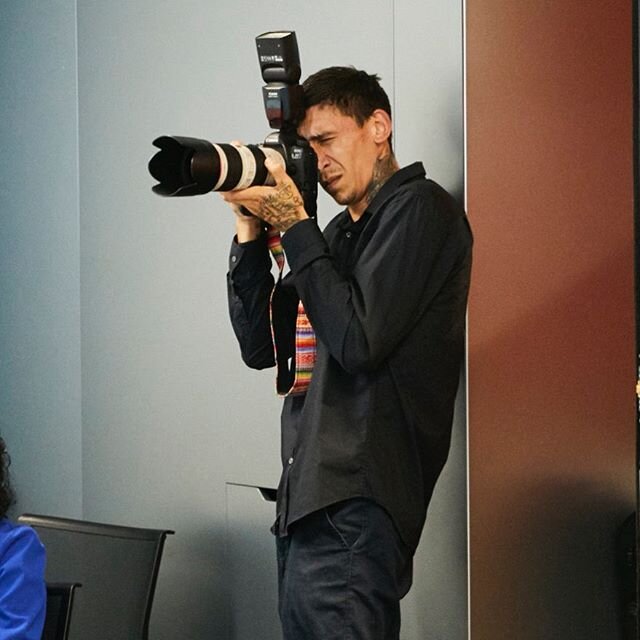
x=305, y=357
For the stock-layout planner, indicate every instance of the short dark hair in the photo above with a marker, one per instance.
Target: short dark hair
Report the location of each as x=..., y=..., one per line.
x=6, y=492
x=354, y=93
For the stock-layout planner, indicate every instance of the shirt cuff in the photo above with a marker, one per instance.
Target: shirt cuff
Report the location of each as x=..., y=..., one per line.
x=246, y=259
x=303, y=244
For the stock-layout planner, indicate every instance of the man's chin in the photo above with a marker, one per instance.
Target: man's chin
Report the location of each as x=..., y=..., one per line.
x=335, y=194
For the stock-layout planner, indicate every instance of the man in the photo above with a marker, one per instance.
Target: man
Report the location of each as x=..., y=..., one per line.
x=384, y=288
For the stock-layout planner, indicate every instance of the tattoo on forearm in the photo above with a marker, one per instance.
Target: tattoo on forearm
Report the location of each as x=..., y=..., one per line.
x=280, y=209
x=382, y=171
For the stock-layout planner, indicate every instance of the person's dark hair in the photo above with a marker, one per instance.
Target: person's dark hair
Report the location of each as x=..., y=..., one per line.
x=6, y=492
x=354, y=93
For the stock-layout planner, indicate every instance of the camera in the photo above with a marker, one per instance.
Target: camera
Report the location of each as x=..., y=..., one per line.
x=192, y=166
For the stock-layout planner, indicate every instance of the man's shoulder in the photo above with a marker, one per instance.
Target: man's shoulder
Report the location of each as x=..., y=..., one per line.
x=426, y=195
x=423, y=205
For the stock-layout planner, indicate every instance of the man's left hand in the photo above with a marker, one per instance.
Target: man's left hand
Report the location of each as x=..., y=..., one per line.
x=281, y=206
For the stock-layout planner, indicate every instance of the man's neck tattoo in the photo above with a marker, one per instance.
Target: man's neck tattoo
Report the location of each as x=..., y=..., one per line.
x=382, y=171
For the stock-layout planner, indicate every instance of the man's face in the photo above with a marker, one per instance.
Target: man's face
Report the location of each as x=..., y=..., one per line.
x=346, y=152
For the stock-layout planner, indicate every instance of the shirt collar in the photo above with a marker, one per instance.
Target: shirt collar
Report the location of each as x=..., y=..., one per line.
x=400, y=177
x=346, y=222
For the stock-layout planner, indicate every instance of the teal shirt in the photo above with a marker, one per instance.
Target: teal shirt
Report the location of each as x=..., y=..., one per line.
x=22, y=587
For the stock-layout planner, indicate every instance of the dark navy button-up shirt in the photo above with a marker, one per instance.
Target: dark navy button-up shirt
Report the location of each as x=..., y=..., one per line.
x=386, y=296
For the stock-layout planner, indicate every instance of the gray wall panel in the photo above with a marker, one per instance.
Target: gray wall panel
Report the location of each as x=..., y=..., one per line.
x=251, y=566
x=39, y=254
x=429, y=88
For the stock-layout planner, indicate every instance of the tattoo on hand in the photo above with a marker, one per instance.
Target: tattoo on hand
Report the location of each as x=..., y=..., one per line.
x=281, y=208
x=382, y=171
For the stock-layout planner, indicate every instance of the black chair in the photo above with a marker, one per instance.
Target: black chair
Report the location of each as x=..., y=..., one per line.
x=117, y=567
x=59, y=606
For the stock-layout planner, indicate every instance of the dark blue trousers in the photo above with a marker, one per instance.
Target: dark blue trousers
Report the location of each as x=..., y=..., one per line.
x=342, y=571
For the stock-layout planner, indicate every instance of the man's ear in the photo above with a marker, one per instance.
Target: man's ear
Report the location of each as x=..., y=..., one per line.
x=382, y=126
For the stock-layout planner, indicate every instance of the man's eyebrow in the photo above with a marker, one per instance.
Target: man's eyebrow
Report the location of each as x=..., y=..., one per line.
x=318, y=137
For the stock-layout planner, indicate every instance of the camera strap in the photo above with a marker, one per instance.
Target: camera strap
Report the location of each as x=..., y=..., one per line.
x=305, y=338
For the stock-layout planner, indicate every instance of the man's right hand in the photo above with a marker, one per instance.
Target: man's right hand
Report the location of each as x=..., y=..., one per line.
x=248, y=227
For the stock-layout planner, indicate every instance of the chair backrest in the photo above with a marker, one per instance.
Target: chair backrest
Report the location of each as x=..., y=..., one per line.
x=117, y=567
x=59, y=607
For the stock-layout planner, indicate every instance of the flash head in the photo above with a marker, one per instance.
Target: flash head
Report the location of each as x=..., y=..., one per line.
x=279, y=57
x=280, y=68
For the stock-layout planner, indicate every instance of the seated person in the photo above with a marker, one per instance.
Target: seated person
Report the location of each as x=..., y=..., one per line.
x=22, y=560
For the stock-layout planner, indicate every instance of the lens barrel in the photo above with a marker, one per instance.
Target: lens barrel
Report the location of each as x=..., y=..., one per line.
x=191, y=166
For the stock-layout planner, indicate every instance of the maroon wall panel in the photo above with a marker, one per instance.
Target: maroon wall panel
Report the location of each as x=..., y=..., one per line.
x=551, y=315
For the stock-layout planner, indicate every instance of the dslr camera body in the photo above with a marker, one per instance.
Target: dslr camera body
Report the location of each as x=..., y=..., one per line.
x=192, y=166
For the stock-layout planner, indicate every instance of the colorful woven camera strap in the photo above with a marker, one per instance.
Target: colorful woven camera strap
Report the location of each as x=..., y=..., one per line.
x=305, y=356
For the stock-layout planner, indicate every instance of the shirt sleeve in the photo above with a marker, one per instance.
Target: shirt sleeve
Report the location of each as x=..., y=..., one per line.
x=415, y=246
x=22, y=586
x=250, y=290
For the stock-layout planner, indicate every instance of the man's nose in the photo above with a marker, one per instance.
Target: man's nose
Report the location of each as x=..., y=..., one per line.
x=323, y=160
